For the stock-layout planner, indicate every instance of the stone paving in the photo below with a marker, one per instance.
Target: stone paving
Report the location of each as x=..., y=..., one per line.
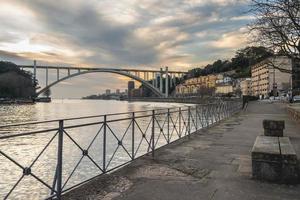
x=213, y=164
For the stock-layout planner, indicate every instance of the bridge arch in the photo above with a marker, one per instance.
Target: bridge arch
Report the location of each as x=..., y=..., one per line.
x=123, y=73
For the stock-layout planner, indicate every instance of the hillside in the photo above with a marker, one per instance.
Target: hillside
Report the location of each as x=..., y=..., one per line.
x=240, y=64
x=14, y=82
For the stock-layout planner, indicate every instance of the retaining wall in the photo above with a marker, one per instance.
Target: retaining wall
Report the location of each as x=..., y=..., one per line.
x=294, y=112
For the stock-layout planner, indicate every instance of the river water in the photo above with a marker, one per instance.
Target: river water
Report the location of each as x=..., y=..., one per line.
x=26, y=148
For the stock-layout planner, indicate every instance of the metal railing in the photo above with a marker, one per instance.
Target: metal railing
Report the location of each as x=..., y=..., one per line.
x=114, y=141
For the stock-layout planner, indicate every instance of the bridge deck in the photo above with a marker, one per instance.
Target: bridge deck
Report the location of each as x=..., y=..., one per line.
x=213, y=164
x=97, y=68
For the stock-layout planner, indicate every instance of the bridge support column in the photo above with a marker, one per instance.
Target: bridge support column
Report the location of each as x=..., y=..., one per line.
x=171, y=79
x=34, y=71
x=57, y=74
x=161, y=80
x=174, y=80
x=155, y=81
x=167, y=83
x=46, y=76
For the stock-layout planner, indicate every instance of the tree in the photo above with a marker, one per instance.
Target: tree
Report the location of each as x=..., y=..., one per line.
x=277, y=25
x=14, y=82
x=240, y=63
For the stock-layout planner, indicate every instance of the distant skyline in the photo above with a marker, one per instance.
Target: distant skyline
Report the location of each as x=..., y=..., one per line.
x=136, y=33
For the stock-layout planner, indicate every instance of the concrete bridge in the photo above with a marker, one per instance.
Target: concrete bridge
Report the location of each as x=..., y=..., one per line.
x=152, y=79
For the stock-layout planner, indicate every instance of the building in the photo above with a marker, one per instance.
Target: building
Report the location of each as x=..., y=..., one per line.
x=130, y=87
x=107, y=91
x=138, y=92
x=193, y=85
x=117, y=91
x=245, y=86
x=224, y=89
x=268, y=80
x=221, y=79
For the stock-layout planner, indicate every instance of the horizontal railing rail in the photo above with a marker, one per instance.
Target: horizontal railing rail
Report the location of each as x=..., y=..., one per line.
x=99, y=147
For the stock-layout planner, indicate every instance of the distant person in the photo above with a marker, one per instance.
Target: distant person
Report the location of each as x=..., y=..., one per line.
x=245, y=101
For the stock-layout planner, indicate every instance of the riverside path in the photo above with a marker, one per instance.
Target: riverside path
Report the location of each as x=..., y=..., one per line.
x=214, y=163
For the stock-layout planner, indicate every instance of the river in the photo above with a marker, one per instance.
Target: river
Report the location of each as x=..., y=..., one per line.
x=67, y=108
x=26, y=148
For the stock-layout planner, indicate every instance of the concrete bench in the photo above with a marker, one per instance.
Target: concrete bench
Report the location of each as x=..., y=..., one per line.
x=274, y=159
x=273, y=127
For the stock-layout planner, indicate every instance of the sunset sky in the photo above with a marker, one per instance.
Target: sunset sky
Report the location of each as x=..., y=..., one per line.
x=125, y=33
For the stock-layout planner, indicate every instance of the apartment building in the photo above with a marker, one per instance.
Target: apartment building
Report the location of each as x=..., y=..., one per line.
x=224, y=89
x=245, y=86
x=266, y=76
x=192, y=85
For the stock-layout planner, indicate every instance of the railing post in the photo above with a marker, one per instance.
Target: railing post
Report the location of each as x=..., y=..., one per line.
x=179, y=122
x=168, y=125
x=153, y=130
x=228, y=110
x=219, y=111
x=196, y=117
x=206, y=115
x=132, y=136
x=200, y=113
x=209, y=115
x=189, y=121
x=104, y=144
x=224, y=110
x=212, y=113
x=59, y=158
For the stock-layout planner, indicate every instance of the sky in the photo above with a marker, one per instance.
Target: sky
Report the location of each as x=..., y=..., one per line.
x=142, y=34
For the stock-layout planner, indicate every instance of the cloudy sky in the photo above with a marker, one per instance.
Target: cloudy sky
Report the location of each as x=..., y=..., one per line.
x=180, y=34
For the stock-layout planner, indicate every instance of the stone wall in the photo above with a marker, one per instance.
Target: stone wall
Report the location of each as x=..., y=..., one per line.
x=294, y=112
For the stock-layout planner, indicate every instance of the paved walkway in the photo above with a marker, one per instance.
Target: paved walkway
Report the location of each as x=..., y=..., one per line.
x=214, y=164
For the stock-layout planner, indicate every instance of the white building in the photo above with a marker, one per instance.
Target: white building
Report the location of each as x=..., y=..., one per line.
x=267, y=77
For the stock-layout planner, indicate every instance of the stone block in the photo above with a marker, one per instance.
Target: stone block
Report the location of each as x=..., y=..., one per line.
x=289, y=173
x=288, y=154
x=274, y=159
x=266, y=159
x=273, y=132
x=273, y=124
x=266, y=171
x=273, y=127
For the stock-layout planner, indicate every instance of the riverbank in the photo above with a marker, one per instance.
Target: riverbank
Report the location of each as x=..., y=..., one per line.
x=16, y=101
x=214, y=163
x=187, y=100
x=6, y=101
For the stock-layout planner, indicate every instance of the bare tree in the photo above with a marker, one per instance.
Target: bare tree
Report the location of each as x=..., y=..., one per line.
x=277, y=25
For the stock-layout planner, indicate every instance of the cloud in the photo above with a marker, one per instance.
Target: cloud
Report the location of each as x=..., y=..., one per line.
x=128, y=33
x=232, y=40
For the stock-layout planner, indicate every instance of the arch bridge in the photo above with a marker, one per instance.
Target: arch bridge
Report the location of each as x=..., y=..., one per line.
x=152, y=79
